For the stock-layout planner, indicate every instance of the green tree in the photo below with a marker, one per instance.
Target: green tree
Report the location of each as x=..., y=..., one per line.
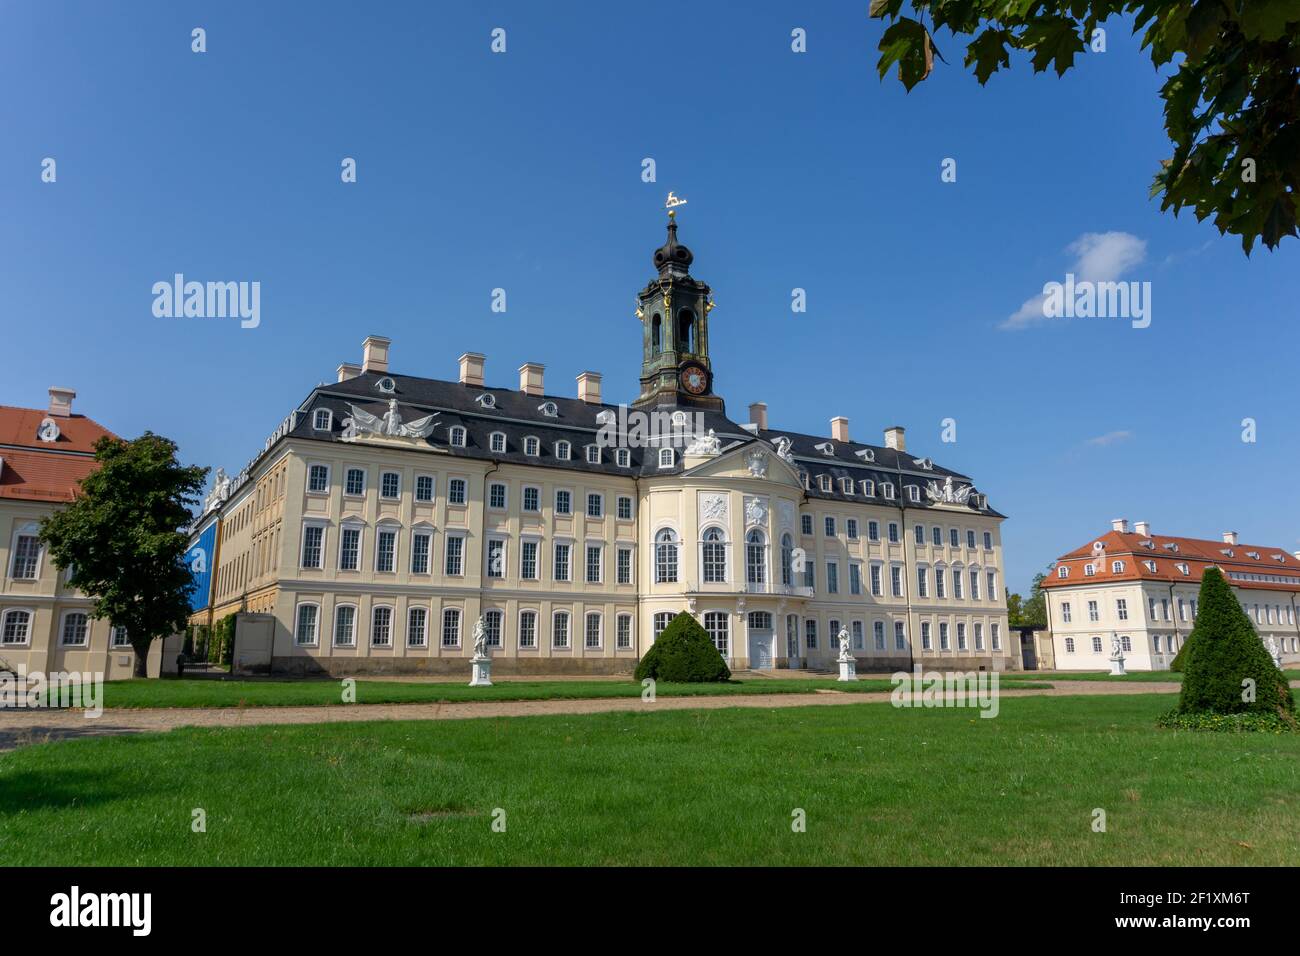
x=1232, y=110
x=1222, y=653
x=1028, y=613
x=683, y=653
x=122, y=536
x=1015, y=609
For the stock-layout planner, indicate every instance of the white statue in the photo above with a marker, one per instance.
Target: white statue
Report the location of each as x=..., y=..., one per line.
x=220, y=491
x=848, y=664
x=481, y=663
x=1116, y=657
x=388, y=425
x=843, y=637
x=948, y=494
x=1274, y=652
x=757, y=462
x=782, y=445
x=480, y=638
x=704, y=445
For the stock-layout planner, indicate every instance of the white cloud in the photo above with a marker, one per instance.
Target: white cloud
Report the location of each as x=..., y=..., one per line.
x=1098, y=257
x=1110, y=438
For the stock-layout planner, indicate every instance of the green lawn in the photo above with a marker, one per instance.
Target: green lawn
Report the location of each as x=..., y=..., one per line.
x=188, y=692
x=878, y=785
x=1140, y=677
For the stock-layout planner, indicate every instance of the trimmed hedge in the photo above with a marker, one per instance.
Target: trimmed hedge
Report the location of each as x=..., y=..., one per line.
x=1228, y=723
x=1221, y=653
x=683, y=654
x=1180, y=659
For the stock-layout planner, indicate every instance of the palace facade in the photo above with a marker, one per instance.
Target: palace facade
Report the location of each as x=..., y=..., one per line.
x=1142, y=589
x=390, y=512
x=45, y=625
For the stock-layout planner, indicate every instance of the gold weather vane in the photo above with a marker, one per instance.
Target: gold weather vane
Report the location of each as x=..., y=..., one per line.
x=672, y=203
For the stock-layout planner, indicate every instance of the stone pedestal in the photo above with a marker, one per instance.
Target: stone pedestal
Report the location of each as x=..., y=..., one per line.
x=482, y=672
x=1117, y=667
x=848, y=670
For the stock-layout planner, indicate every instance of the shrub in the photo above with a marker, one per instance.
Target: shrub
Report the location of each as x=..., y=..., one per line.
x=1228, y=723
x=1222, y=651
x=683, y=653
x=1180, y=659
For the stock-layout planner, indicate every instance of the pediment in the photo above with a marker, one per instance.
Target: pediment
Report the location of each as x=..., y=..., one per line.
x=754, y=460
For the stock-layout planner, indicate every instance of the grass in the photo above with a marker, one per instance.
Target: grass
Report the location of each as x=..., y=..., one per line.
x=878, y=785
x=185, y=692
x=1139, y=677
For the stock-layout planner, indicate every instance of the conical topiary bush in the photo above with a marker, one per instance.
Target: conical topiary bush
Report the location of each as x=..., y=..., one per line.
x=1224, y=660
x=683, y=653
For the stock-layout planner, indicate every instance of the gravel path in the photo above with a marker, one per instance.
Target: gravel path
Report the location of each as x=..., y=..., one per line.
x=22, y=727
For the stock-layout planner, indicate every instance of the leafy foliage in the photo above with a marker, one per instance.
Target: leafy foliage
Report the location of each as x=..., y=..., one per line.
x=1028, y=613
x=1222, y=652
x=1252, y=721
x=1232, y=97
x=122, y=536
x=1180, y=659
x=683, y=654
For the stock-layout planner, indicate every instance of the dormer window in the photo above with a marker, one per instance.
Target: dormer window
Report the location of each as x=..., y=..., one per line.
x=532, y=447
x=924, y=463
x=846, y=486
x=1278, y=557
x=1151, y=566
x=322, y=420
x=593, y=454
x=887, y=489
x=386, y=385
x=1227, y=551
x=1183, y=568
x=1170, y=546
x=487, y=400
x=868, y=487
x=826, y=448
x=549, y=409
x=562, y=450
x=866, y=454
x=1117, y=567
x=824, y=482
x=1253, y=554
x=1089, y=569
x=622, y=457
x=1062, y=572
x=456, y=436
x=914, y=493
x=497, y=441
x=679, y=420
x=606, y=417
x=665, y=457
x=806, y=479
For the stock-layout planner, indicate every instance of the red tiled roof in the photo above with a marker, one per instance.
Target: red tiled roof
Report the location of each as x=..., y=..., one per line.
x=1167, y=552
x=45, y=471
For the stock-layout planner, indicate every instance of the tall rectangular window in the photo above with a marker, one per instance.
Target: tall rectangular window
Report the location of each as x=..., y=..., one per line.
x=623, y=640
x=27, y=553
x=563, y=502
x=595, y=506
x=624, y=565
x=318, y=478
x=832, y=577
x=593, y=631
x=594, y=552
x=349, y=549
x=900, y=636
x=855, y=579
x=956, y=583
x=624, y=508
x=390, y=484
x=922, y=582
x=455, y=558
x=876, y=587
x=305, y=632
x=925, y=636
x=528, y=560
x=496, y=558
x=385, y=550
x=424, y=488
x=355, y=483
x=878, y=634
x=896, y=580
x=451, y=627
x=381, y=627
x=420, y=545
x=417, y=619
x=345, y=622
x=560, y=629
x=313, y=537
x=561, y=562
x=527, y=628
x=532, y=499
x=456, y=491
x=496, y=495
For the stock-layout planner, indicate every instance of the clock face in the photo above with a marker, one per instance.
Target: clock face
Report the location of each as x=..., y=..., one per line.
x=694, y=379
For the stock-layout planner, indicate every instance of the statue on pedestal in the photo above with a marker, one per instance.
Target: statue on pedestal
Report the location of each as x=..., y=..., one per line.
x=480, y=663
x=848, y=664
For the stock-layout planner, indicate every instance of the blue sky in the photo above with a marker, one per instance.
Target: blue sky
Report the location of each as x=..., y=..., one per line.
x=522, y=171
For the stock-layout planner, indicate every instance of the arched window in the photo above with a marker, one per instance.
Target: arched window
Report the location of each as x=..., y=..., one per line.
x=665, y=557
x=756, y=558
x=656, y=335
x=713, y=556
x=686, y=331
x=787, y=560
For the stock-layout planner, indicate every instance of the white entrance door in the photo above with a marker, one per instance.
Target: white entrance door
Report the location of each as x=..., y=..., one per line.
x=760, y=650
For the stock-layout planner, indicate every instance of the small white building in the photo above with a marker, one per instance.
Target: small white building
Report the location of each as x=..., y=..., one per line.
x=1142, y=589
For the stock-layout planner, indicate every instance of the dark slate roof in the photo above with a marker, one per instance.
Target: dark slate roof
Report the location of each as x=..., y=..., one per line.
x=518, y=415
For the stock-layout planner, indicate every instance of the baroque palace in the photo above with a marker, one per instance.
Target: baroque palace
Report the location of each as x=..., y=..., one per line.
x=389, y=513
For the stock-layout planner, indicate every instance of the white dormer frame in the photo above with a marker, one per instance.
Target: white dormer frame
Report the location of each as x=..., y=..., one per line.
x=316, y=419
x=487, y=400
x=534, y=443
x=549, y=409
x=493, y=441
x=456, y=432
x=866, y=454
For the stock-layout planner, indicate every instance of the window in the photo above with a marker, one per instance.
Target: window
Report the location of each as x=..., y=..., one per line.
x=918, y=532
x=851, y=529
x=830, y=526
x=944, y=643
x=1089, y=569
x=561, y=561
x=1065, y=612
x=824, y=482
x=492, y=628
x=528, y=560
x=560, y=629
x=979, y=636
x=313, y=540
x=527, y=628
x=925, y=636
x=855, y=578
x=496, y=558
x=878, y=634
x=876, y=587
x=832, y=577
x=1155, y=643
x=454, y=563
x=787, y=560
x=381, y=627
x=988, y=540
x=624, y=508
x=305, y=632
x=873, y=530
x=810, y=633
x=318, y=479
x=665, y=457
x=563, y=450
x=386, y=550
x=859, y=642
x=532, y=447
x=623, y=632
x=17, y=627
x=887, y=489
x=914, y=493
x=1121, y=609
x=322, y=419
x=665, y=557
x=456, y=436
x=118, y=637
x=893, y=532
x=953, y=537
x=868, y=488
x=75, y=629
x=456, y=491
x=424, y=487
x=390, y=484
x=661, y=621
x=421, y=545
x=532, y=499
x=713, y=556
x=624, y=566
x=1117, y=567
x=622, y=457
x=595, y=553
x=961, y=635
x=1096, y=645
x=592, y=636
x=1069, y=645
x=936, y=536
x=974, y=585
x=593, y=454
x=497, y=441
x=26, y=561
x=1092, y=611
x=716, y=623
x=496, y=495
x=900, y=636
x=940, y=582
x=417, y=620
x=549, y=409
x=970, y=538
x=997, y=636
x=563, y=502
x=922, y=582
x=451, y=627
x=956, y=583
x=595, y=505
x=805, y=524
x=356, y=482
x=345, y=623
x=991, y=584
x=896, y=580
x=1062, y=572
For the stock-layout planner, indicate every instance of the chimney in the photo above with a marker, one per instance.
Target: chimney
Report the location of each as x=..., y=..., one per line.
x=471, y=369
x=758, y=415
x=894, y=438
x=840, y=428
x=61, y=401
x=589, y=387
x=374, y=353
x=530, y=378
x=1119, y=524
x=1143, y=528
x=1229, y=537
x=348, y=370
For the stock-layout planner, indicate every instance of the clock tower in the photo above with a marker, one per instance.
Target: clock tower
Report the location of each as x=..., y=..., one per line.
x=674, y=312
